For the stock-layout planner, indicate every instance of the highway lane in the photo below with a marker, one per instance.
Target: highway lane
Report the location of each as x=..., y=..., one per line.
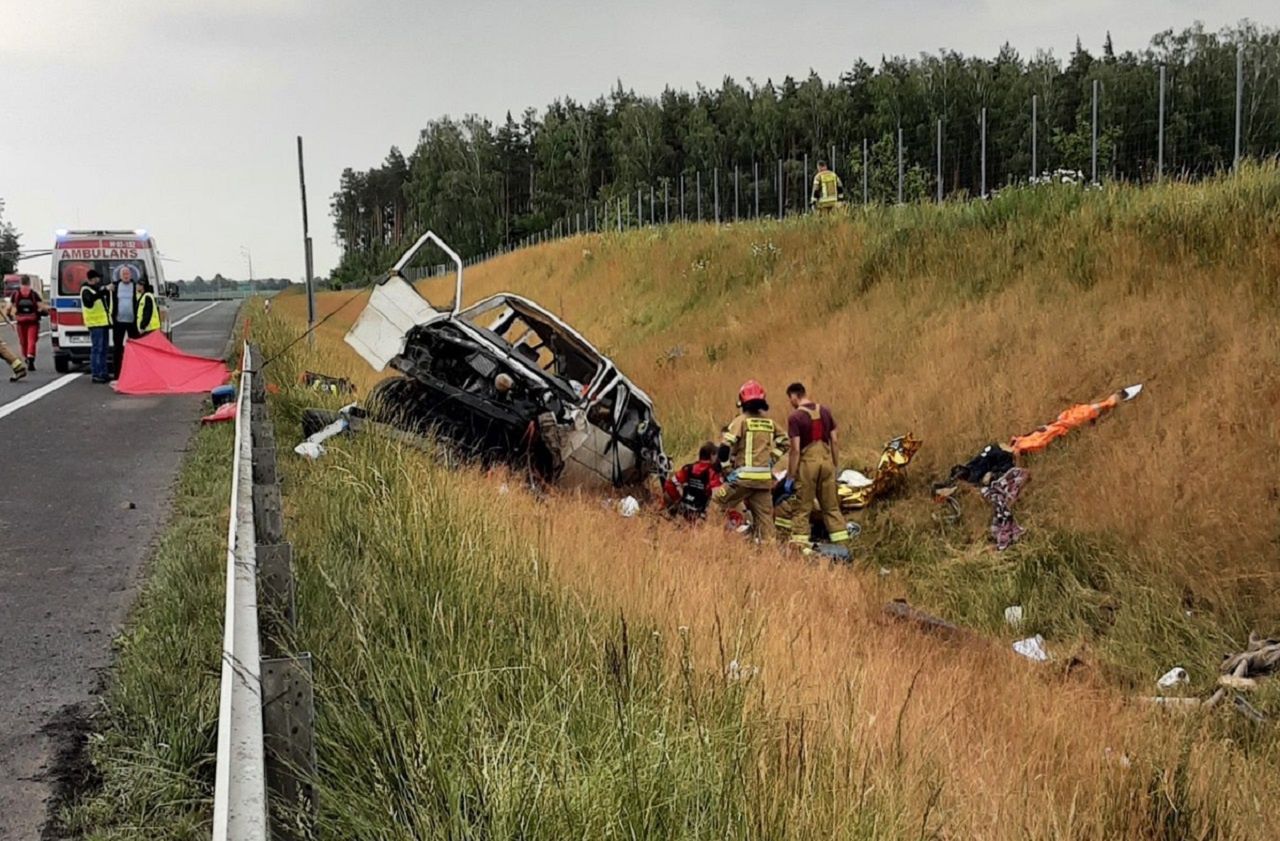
x=71, y=549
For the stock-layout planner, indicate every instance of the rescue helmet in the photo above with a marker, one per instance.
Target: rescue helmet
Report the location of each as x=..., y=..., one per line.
x=751, y=390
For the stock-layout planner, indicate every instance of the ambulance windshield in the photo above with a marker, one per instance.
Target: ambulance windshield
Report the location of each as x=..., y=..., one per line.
x=72, y=273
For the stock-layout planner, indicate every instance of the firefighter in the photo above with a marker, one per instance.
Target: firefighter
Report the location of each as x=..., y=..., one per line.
x=749, y=447
x=811, y=468
x=689, y=490
x=17, y=365
x=828, y=189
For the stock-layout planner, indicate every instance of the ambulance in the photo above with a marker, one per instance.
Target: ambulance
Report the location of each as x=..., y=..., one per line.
x=115, y=254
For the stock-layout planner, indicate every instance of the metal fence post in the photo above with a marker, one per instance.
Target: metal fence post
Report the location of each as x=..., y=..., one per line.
x=866, y=166
x=939, y=161
x=1035, y=102
x=666, y=201
x=1235, y=162
x=755, y=179
x=982, y=123
x=779, y=188
x=715, y=191
x=1160, y=132
x=682, y=196
x=899, y=164
x=652, y=220
x=735, y=193
x=697, y=178
x=1093, y=144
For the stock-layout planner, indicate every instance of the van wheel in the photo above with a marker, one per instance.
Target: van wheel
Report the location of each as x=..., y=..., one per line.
x=61, y=364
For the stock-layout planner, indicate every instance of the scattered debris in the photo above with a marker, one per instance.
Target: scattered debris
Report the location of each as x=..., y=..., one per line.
x=1261, y=657
x=1071, y=418
x=1244, y=684
x=1032, y=648
x=856, y=491
x=1175, y=676
x=225, y=412
x=1002, y=493
x=1013, y=616
x=311, y=448
x=128, y=505
x=628, y=506
x=327, y=384
x=222, y=395
x=899, y=609
x=740, y=671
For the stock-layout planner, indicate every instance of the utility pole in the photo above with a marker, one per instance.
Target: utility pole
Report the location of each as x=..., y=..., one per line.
x=248, y=255
x=306, y=241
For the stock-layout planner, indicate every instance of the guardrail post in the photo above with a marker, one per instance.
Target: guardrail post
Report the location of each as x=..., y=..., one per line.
x=288, y=724
x=277, y=594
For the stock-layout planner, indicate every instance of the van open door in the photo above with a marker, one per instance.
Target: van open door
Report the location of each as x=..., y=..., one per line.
x=395, y=307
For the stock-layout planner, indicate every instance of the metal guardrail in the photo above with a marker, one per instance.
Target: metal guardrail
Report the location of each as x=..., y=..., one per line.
x=266, y=755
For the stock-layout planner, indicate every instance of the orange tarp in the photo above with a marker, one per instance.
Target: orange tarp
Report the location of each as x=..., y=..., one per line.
x=1072, y=418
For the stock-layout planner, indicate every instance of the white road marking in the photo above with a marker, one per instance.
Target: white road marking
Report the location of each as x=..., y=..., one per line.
x=49, y=388
x=27, y=399
x=186, y=318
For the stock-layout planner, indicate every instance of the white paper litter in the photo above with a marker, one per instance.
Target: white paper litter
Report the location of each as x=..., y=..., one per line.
x=853, y=479
x=1013, y=615
x=629, y=506
x=311, y=448
x=1032, y=648
x=1173, y=677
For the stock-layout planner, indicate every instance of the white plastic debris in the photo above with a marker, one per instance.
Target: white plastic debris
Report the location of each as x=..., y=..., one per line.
x=1032, y=648
x=1173, y=677
x=1013, y=615
x=853, y=479
x=629, y=506
x=309, y=449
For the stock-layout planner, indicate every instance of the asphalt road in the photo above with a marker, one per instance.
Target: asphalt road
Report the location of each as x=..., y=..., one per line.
x=71, y=550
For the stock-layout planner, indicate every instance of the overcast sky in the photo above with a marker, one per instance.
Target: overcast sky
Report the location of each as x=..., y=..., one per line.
x=180, y=115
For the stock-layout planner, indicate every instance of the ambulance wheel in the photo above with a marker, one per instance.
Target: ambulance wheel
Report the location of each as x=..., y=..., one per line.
x=61, y=364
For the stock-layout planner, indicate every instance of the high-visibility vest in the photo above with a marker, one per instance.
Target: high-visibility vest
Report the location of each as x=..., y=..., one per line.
x=97, y=314
x=827, y=185
x=153, y=323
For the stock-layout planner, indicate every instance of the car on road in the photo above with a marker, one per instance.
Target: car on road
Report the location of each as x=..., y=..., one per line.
x=74, y=254
x=505, y=380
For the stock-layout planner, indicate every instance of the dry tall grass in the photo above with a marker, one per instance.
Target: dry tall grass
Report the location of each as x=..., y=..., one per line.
x=964, y=325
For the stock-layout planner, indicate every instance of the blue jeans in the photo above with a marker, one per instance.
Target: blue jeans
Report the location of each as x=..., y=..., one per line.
x=99, y=340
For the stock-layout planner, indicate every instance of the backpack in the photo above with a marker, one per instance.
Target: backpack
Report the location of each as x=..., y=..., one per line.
x=697, y=491
x=26, y=304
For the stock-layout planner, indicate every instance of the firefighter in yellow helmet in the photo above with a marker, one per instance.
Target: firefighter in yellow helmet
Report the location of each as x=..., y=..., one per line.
x=812, y=466
x=828, y=189
x=749, y=447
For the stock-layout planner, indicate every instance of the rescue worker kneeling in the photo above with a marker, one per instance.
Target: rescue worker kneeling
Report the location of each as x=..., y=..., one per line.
x=689, y=490
x=811, y=471
x=750, y=445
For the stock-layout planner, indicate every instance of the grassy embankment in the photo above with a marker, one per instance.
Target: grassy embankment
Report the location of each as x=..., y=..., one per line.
x=477, y=679
x=490, y=665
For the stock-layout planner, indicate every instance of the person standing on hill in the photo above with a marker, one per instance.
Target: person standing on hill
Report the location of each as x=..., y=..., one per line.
x=813, y=463
x=828, y=189
x=750, y=445
x=95, y=306
x=27, y=308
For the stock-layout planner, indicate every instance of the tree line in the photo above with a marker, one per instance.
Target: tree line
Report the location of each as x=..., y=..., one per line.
x=9, y=244
x=484, y=185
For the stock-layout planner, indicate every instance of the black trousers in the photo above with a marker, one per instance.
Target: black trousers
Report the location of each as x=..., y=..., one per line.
x=118, y=332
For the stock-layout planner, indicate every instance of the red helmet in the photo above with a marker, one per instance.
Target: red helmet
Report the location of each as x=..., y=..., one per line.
x=751, y=390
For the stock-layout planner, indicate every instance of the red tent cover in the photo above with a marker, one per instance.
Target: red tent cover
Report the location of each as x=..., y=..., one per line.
x=152, y=365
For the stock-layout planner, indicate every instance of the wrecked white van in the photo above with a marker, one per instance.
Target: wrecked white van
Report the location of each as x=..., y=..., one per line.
x=504, y=380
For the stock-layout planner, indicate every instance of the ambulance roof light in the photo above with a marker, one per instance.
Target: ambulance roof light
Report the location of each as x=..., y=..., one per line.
x=62, y=232
x=142, y=232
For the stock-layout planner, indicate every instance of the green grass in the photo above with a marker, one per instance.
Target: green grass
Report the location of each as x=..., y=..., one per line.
x=154, y=736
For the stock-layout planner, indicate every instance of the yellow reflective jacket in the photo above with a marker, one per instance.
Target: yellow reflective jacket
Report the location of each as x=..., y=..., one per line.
x=755, y=444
